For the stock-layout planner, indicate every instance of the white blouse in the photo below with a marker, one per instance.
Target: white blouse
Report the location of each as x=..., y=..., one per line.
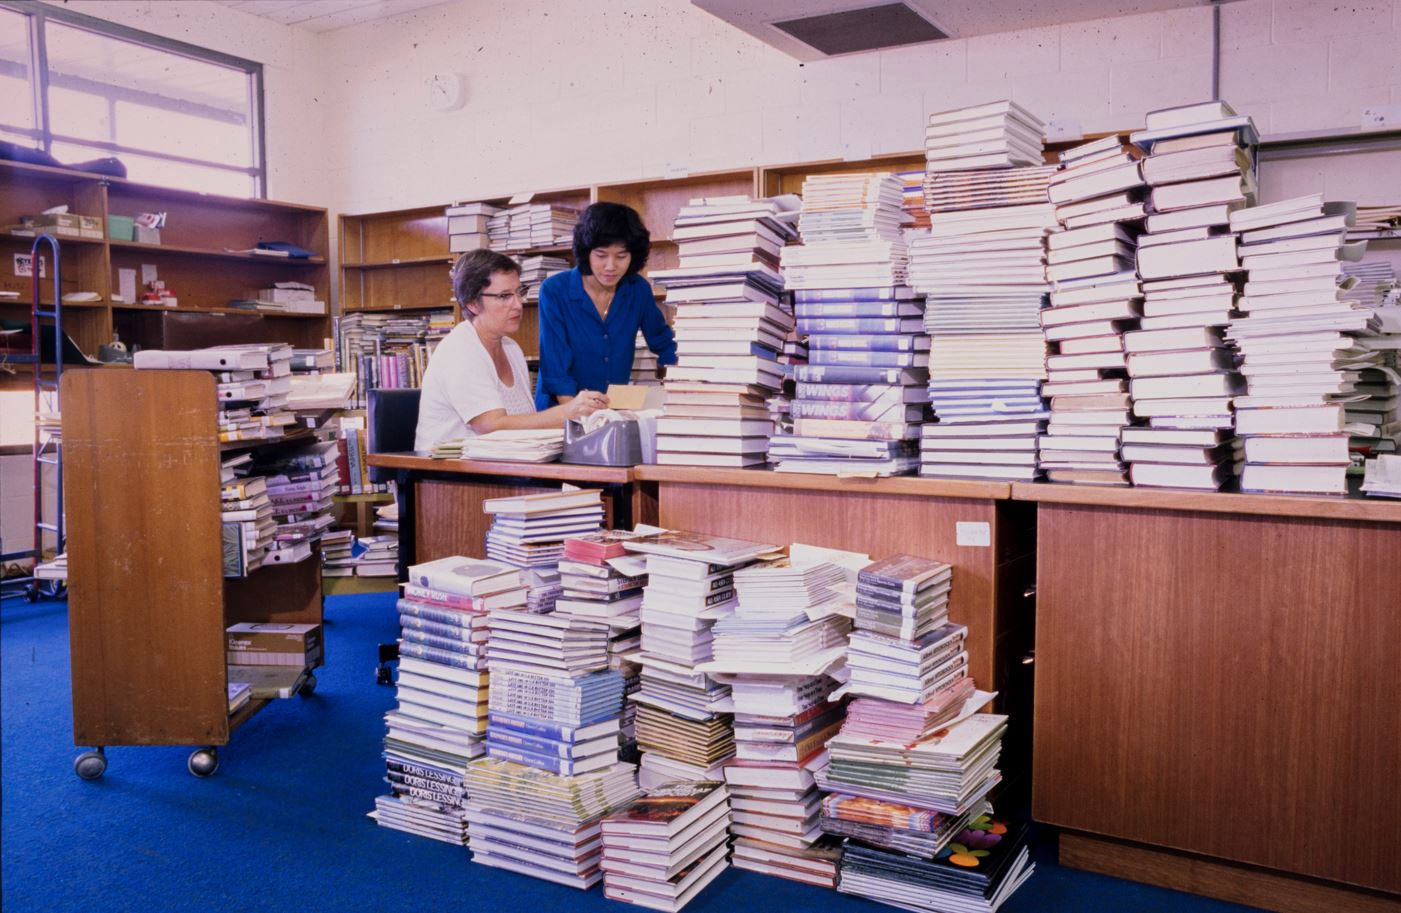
x=461, y=383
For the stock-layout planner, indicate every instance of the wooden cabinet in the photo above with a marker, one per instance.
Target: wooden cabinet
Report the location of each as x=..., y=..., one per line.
x=148, y=603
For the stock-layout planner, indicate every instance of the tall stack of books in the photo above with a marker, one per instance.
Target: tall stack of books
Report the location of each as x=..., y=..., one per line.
x=554, y=714
x=690, y=585
x=729, y=329
x=252, y=382
x=1378, y=417
x=912, y=192
x=1182, y=373
x=862, y=324
x=540, y=824
x=788, y=630
x=528, y=532
x=1099, y=197
x=982, y=269
x=531, y=225
x=661, y=851
x=536, y=269
x=467, y=226
x=439, y=724
x=1298, y=346
x=390, y=350
x=914, y=760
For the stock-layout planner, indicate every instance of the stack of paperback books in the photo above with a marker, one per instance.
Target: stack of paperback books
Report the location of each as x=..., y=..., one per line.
x=245, y=515
x=982, y=269
x=1099, y=197
x=984, y=863
x=862, y=323
x=1299, y=348
x=1182, y=374
x=536, y=269
x=592, y=587
x=690, y=586
x=788, y=621
x=528, y=531
x=730, y=326
x=541, y=824
x=663, y=850
x=439, y=724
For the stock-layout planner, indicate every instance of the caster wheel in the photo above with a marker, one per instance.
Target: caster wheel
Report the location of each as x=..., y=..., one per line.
x=90, y=765
x=203, y=762
x=383, y=676
x=308, y=687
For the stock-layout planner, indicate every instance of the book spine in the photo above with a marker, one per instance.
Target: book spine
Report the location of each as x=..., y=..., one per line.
x=445, y=631
x=435, y=655
x=443, y=615
x=803, y=296
x=857, y=325
x=543, y=729
x=431, y=774
x=867, y=343
x=561, y=766
x=428, y=594
x=875, y=359
x=533, y=744
x=455, y=644
x=843, y=374
x=848, y=310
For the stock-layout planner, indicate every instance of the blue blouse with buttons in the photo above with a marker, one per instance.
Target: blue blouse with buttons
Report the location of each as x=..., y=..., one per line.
x=579, y=350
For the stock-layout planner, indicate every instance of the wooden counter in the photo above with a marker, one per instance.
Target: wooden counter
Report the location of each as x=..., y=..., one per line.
x=973, y=525
x=440, y=505
x=1217, y=679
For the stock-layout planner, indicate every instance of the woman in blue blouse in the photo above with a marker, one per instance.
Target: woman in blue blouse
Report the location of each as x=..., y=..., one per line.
x=590, y=315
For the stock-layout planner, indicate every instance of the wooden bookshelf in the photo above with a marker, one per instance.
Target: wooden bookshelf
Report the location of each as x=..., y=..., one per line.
x=149, y=604
x=194, y=258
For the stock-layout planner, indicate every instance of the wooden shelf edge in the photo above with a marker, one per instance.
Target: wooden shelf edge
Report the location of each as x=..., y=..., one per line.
x=567, y=472
x=765, y=478
x=1300, y=506
x=1220, y=879
x=183, y=251
x=402, y=261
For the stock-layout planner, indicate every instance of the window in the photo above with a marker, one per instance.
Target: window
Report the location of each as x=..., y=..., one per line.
x=176, y=115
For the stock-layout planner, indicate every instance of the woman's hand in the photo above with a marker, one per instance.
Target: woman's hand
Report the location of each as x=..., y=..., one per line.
x=586, y=403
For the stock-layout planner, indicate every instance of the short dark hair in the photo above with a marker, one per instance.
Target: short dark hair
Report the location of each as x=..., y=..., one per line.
x=472, y=273
x=603, y=224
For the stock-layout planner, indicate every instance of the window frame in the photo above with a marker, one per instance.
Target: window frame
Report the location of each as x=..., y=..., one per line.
x=39, y=15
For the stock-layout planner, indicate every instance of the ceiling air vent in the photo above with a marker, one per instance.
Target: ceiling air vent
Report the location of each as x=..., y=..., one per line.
x=884, y=26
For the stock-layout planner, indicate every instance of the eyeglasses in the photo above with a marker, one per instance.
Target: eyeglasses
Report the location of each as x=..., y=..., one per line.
x=519, y=294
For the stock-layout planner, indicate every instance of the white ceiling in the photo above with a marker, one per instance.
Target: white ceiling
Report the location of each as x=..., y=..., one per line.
x=326, y=15
x=957, y=18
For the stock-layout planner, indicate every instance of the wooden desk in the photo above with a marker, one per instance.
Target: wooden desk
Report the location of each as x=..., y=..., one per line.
x=440, y=502
x=1217, y=678
x=882, y=517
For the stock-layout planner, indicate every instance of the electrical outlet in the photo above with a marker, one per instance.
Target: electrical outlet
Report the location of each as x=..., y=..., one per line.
x=1379, y=116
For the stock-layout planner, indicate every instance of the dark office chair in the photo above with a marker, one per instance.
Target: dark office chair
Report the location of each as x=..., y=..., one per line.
x=392, y=425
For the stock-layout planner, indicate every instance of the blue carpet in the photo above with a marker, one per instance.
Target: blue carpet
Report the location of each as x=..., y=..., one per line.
x=282, y=824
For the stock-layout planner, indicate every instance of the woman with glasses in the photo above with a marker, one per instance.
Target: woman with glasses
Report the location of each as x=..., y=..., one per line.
x=590, y=315
x=477, y=380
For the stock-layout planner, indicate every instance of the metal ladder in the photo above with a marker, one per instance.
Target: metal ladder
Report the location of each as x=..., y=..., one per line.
x=48, y=447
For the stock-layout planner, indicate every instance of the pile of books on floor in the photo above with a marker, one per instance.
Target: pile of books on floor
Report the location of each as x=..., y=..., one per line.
x=982, y=269
x=664, y=848
x=467, y=226
x=555, y=710
x=681, y=732
x=914, y=761
x=380, y=557
x=864, y=345
x=338, y=553
x=252, y=382
x=439, y=724
x=1298, y=346
x=1182, y=374
x=536, y=269
x=729, y=327
x=528, y=532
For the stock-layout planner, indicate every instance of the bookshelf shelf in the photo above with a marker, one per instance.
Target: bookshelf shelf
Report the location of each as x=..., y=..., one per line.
x=410, y=261
x=192, y=261
x=217, y=254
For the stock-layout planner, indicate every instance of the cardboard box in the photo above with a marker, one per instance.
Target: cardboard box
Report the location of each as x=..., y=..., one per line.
x=147, y=235
x=273, y=644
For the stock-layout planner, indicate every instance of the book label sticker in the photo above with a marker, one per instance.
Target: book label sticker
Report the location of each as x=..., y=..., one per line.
x=974, y=535
x=148, y=273
x=24, y=266
x=675, y=171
